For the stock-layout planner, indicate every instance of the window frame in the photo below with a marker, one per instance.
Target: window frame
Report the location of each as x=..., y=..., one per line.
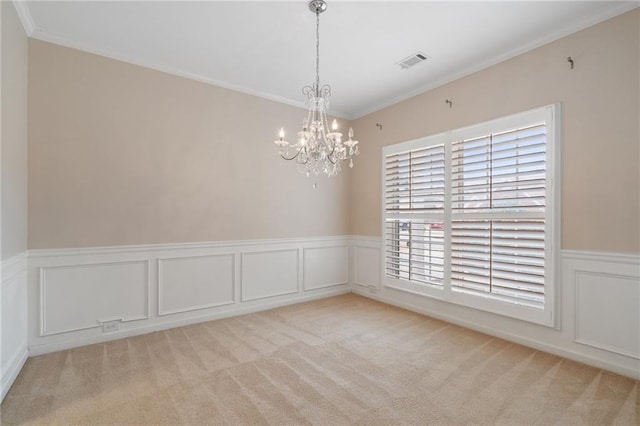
x=550, y=115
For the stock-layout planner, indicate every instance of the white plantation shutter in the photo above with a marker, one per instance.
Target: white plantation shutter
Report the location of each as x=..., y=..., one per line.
x=500, y=172
x=414, y=181
x=504, y=258
x=471, y=212
x=414, y=251
x=498, y=211
x=414, y=210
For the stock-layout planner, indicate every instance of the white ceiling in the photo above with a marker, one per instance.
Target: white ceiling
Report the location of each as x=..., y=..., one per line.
x=268, y=48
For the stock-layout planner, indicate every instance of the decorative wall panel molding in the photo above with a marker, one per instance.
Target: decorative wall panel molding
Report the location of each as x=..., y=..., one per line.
x=195, y=282
x=269, y=273
x=325, y=267
x=91, y=295
x=607, y=302
x=366, y=262
x=79, y=297
x=619, y=330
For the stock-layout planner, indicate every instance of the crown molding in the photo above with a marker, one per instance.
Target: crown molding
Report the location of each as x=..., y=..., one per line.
x=569, y=29
x=48, y=37
x=34, y=32
x=25, y=16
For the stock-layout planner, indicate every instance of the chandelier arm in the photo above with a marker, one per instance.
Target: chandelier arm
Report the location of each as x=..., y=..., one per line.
x=333, y=149
x=291, y=158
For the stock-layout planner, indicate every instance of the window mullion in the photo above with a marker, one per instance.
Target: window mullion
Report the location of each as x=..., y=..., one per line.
x=448, y=194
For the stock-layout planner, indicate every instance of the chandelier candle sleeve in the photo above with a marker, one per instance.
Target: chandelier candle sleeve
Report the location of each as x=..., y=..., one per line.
x=319, y=148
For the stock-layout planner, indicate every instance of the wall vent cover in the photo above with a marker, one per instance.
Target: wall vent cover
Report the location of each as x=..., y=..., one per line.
x=412, y=60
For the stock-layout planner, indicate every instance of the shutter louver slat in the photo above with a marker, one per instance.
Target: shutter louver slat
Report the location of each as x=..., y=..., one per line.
x=506, y=255
x=414, y=251
x=501, y=172
x=479, y=161
x=415, y=181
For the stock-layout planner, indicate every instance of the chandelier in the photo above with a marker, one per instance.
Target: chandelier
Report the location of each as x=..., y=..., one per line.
x=319, y=149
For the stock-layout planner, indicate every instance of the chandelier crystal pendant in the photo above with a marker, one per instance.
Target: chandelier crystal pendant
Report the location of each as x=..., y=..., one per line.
x=319, y=148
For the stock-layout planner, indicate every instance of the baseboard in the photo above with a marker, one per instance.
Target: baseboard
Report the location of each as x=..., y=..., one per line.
x=9, y=376
x=589, y=281
x=45, y=348
x=516, y=338
x=13, y=294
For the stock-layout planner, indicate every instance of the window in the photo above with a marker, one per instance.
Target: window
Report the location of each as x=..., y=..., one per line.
x=470, y=215
x=414, y=197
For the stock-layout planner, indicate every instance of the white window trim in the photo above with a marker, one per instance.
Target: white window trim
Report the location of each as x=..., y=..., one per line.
x=548, y=316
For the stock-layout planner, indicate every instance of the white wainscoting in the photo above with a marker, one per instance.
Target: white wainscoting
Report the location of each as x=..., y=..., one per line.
x=13, y=317
x=599, y=307
x=366, y=262
x=154, y=287
x=606, y=291
x=269, y=273
x=326, y=267
x=195, y=282
x=82, y=296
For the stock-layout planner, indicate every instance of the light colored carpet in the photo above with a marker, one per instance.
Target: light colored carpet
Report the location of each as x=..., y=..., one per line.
x=342, y=360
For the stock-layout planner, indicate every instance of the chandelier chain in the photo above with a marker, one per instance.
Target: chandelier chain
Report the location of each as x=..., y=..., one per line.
x=317, y=52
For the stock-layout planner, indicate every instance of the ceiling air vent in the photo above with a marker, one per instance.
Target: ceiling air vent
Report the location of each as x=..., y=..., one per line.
x=412, y=60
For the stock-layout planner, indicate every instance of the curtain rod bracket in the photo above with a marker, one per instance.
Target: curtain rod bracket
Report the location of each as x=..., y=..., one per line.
x=570, y=60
